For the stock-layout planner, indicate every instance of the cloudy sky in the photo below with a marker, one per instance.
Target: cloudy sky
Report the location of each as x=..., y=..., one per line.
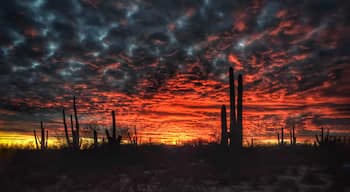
x=163, y=65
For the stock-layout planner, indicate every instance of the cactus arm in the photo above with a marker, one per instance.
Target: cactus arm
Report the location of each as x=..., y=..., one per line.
x=108, y=136
x=317, y=139
x=73, y=132
x=294, y=137
x=282, y=135
x=42, y=142
x=76, y=122
x=130, y=140
x=294, y=140
x=224, y=134
x=65, y=127
x=47, y=138
x=80, y=143
x=36, y=139
x=114, y=136
x=135, y=132
x=95, y=138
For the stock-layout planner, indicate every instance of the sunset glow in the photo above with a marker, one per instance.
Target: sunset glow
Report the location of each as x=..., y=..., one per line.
x=164, y=68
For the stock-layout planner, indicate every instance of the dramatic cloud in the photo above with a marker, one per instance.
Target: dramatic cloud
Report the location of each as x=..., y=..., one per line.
x=162, y=65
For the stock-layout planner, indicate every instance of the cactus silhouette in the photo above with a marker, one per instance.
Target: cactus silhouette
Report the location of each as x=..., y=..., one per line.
x=232, y=106
x=66, y=128
x=236, y=121
x=113, y=139
x=36, y=140
x=95, y=139
x=44, y=137
x=108, y=136
x=134, y=139
x=76, y=132
x=293, y=138
x=223, y=126
x=75, y=143
x=280, y=137
x=324, y=140
x=113, y=125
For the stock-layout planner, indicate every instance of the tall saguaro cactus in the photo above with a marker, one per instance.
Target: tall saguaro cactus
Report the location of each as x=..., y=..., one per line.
x=232, y=106
x=95, y=138
x=280, y=137
x=236, y=121
x=44, y=137
x=113, y=139
x=75, y=143
x=65, y=128
x=293, y=138
x=323, y=140
x=223, y=126
x=72, y=130
x=113, y=125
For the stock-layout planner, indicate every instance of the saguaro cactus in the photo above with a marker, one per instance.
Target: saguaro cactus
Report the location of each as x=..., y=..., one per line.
x=232, y=107
x=72, y=131
x=75, y=143
x=77, y=134
x=113, y=139
x=134, y=139
x=66, y=128
x=36, y=140
x=113, y=125
x=236, y=120
x=293, y=138
x=323, y=139
x=95, y=139
x=44, y=137
x=280, y=137
x=223, y=126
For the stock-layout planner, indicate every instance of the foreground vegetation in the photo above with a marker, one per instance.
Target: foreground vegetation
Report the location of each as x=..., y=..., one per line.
x=181, y=168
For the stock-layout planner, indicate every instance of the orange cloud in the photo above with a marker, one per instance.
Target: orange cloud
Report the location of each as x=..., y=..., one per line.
x=235, y=61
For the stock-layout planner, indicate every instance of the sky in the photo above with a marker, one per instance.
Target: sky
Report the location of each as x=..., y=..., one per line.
x=163, y=66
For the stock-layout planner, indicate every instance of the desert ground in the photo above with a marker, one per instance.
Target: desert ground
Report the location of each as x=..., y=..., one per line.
x=177, y=168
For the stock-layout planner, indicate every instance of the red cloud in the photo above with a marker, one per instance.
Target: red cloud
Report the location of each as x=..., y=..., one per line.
x=235, y=61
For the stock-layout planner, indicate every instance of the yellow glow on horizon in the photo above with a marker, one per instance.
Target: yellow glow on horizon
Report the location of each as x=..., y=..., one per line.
x=22, y=140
